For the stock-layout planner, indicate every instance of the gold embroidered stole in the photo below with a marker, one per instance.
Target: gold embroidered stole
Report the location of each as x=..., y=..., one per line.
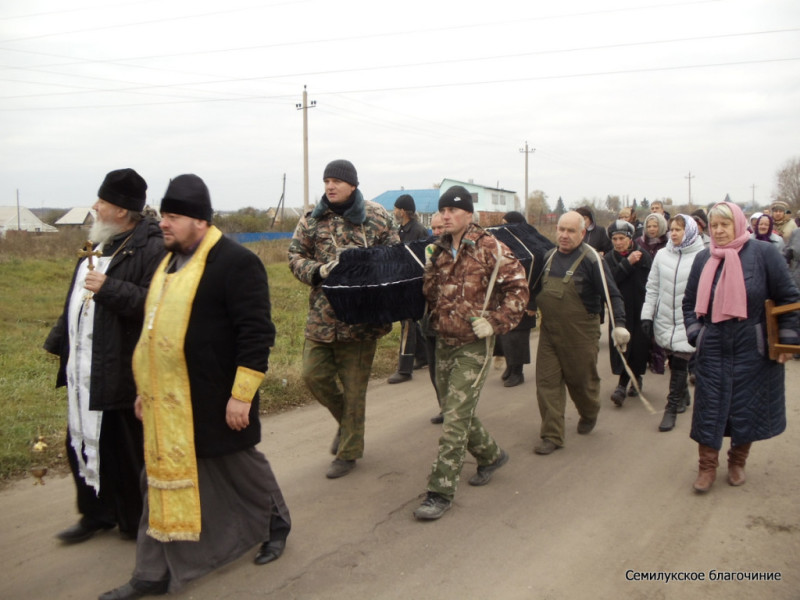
x=162, y=381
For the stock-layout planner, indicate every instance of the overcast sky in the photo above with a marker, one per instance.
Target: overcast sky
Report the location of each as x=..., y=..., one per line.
x=617, y=97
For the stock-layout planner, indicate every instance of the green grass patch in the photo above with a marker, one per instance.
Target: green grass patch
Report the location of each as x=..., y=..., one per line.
x=35, y=273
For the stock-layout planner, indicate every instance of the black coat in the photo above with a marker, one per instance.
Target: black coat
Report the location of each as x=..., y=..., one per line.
x=740, y=392
x=118, y=316
x=631, y=281
x=230, y=326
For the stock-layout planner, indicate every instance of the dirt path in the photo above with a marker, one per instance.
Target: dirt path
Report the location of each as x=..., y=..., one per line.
x=580, y=523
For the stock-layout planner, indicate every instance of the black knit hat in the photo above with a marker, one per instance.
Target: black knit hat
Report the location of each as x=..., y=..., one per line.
x=514, y=216
x=188, y=195
x=585, y=211
x=621, y=226
x=406, y=202
x=457, y=197
x=124, y=188
x=342, y=170
x=700, y=215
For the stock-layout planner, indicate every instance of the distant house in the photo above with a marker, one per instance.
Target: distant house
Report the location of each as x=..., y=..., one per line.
x=80, y=216
x=490, y=203
x=426, y=201
x=22, y=219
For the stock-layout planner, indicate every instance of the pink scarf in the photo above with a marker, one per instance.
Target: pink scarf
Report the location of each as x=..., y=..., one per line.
x=730, y=298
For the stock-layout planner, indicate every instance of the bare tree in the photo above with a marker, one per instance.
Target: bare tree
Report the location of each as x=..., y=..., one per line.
x=789, y=183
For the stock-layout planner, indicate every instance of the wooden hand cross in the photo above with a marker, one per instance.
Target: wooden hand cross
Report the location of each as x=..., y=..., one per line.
x=87, y=251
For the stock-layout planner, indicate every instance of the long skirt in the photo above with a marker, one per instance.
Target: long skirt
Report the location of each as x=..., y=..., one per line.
x=239, y=497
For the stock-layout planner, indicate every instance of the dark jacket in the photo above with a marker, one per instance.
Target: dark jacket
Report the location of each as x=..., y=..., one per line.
x=412, y=231
x=740, y=392
x=118, y=316
x=631, y=280
x=230, y=326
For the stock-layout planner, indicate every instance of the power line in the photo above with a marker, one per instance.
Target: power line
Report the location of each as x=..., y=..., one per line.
x=439, y=85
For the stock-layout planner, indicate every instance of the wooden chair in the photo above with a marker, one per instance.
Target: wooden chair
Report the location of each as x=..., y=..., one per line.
x=773, y=312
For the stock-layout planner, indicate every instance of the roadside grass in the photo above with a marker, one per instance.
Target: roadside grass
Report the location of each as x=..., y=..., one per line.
x=35, y=273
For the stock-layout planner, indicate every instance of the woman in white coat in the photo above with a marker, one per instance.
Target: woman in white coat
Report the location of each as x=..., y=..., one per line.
x=662, y=312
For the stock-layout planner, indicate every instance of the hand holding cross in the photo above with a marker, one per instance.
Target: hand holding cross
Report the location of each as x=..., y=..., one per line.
x=87, y=251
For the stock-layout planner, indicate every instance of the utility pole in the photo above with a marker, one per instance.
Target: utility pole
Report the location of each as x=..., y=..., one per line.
x=690, y=177
x=279, y=209
x=19, y=221
x=304, y=107
x=526, y=152
x=754, y=195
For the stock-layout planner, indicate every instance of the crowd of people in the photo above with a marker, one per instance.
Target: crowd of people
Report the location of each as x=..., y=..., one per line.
x=166, y=332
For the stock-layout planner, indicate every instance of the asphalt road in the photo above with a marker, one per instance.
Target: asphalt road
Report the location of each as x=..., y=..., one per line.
x=593, y=520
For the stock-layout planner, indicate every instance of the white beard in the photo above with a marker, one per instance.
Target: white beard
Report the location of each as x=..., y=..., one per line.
x=103, y=232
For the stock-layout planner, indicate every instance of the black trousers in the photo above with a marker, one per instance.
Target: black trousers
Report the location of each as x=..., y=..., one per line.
x=121, y=463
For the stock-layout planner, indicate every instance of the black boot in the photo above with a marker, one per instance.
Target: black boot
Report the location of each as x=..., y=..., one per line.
x=677, y=391
x=515, y=376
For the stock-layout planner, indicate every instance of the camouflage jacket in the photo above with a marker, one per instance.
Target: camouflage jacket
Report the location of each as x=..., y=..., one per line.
x=316, y=240
x=456, y=287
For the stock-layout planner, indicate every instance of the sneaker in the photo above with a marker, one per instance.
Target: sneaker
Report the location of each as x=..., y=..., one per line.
x=618, y=396
x=340, y=468
x=545, y=447
x=432, y=508
x=586, y=425
x=399, y=377
x=485, y=472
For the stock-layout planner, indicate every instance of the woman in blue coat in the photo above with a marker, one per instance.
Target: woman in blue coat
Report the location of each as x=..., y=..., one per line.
x=739, y=392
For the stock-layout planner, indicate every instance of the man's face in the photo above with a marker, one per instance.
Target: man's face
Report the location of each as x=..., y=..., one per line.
x=399, y=215
x=455, y=220
x=108, y=213
x=437, y=224
x=180, y=232
x=657, y=207
x=569, y=233
x=621, y=242
x=778, y=214
x=338, y=191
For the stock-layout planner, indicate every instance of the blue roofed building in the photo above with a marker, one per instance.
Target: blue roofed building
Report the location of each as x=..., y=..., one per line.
x=490, y=203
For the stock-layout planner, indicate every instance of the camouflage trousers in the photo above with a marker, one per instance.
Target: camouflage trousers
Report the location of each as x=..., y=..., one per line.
x=325, y=365
x=457, y=371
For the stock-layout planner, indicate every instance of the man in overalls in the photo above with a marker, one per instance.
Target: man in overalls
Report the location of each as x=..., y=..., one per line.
x=570, y=296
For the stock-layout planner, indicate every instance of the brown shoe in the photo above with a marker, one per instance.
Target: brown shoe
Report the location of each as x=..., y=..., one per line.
x=707, y=473
x=545, y=447
x=586, y=425
x=340, y=468
x=737, y=457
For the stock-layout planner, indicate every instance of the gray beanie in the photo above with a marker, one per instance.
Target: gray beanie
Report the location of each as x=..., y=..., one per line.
x=342, y=170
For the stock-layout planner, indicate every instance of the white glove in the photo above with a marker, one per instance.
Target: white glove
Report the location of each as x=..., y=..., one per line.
x=481, y=327
x=621, y=337
x=429, y=254
x=326, y=269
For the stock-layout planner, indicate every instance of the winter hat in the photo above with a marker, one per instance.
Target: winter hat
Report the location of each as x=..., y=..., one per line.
x=780, y=205
x=457, y=197
x=700, y=215
x=342, y=170
x=406, y=202
x=188, y=195
x=585, y=211
x=623, y=227
x=124, y=188
x=514, y=217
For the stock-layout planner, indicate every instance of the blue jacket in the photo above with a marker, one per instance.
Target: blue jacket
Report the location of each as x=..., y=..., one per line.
x=740, y=392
